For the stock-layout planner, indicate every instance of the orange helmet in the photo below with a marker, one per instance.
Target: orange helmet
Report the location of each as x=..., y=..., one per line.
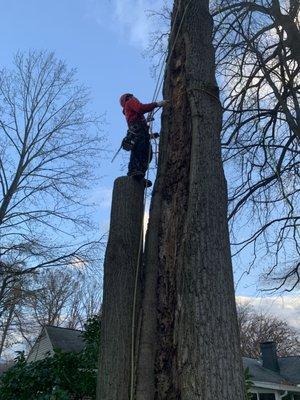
x=124, y=98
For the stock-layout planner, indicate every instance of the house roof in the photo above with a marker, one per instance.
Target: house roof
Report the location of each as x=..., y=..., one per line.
x=290, y=368
x=65, y=339
x=289, y=371
x=259, y=373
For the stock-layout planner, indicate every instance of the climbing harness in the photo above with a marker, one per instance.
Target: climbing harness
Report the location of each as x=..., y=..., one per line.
x=129, y=141
x=127, y=144
x=131, y=138
x=150, y=120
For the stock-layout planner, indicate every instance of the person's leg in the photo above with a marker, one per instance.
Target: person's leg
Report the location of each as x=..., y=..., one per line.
x=145, y=155
x=132, y=166
x=135, y=167
x=140, y=156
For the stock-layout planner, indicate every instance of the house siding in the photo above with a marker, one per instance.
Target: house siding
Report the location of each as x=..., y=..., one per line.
x=40, y=349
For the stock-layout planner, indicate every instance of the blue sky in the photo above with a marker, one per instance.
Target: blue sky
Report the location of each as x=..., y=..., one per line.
x=100, y=39
x=104, y=40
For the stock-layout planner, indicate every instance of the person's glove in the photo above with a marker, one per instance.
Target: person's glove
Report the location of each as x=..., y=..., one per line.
x=162, y=103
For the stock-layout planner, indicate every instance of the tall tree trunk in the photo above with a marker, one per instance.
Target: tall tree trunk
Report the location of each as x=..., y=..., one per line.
x=189, y=345
x=7, y=325
x=119, y=281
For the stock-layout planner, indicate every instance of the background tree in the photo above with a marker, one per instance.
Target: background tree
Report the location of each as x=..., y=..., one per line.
x=258, y=70
x=49, y=147
x=64, y=298
x=13, y=288
x=257, y=327
x=47, y=150
x=258, y=61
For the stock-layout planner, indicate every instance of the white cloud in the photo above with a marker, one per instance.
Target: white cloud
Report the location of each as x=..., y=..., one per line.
x=129, y=18
x=132, y=21
x=283, y=307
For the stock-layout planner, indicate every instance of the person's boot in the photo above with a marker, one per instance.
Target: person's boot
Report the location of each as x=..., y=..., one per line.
x=147, y=183
x=140, y=176
x=137, y=174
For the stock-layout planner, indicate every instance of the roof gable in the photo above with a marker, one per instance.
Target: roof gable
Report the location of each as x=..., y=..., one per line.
x=41, y=348
x=65, y=339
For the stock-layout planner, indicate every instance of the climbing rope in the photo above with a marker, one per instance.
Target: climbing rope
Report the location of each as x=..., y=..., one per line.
x=156, y=152
x=150, y=119
x=167, y=57
x=137, y=271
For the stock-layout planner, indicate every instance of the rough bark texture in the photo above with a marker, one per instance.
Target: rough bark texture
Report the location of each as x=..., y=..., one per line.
x=189, y=345
x=119, y=277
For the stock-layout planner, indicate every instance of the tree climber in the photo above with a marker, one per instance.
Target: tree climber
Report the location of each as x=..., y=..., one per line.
x=138, y=132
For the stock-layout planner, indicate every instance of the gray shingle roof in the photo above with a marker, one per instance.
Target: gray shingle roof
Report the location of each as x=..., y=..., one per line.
x=65, y=339
x=289, y=370
x=259, y=373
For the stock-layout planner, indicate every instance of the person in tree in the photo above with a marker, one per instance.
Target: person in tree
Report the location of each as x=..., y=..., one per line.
x=134, y=112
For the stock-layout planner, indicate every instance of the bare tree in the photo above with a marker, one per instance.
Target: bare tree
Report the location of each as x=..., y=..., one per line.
x=256, y=328
x=49, y=149
x=85, y=303
x=46, y=159
x=13, y=287
x=30, y=299
x=57, y=297
x=48, y=304
x=159, y=36
x=258, y=46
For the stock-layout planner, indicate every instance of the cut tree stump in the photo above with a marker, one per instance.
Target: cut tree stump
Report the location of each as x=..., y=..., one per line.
x=119, y=278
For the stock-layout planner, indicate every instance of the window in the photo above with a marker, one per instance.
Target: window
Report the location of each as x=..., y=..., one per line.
x=266, y=396
x=254, y=396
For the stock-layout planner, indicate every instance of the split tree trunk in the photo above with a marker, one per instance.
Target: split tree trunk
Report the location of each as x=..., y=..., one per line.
x=189, y=345
x=119, y=279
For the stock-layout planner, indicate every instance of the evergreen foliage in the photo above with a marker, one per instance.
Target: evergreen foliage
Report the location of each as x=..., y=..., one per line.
x=64, y=376
x=248, y=384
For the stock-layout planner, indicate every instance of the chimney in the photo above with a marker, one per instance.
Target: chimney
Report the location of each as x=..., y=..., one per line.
x=269, y=356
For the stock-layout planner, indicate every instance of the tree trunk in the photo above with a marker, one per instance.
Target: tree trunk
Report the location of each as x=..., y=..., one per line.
x=189, y=345
x=6, y=326
x=289, y=24
x=119, y=280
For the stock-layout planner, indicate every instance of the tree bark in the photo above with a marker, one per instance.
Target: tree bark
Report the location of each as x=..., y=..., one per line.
x=189, y=345
x=119, y=280
x=6, y=326
x=289, y=24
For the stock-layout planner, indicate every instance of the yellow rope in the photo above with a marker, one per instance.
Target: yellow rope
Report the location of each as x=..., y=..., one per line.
x=132, y=375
